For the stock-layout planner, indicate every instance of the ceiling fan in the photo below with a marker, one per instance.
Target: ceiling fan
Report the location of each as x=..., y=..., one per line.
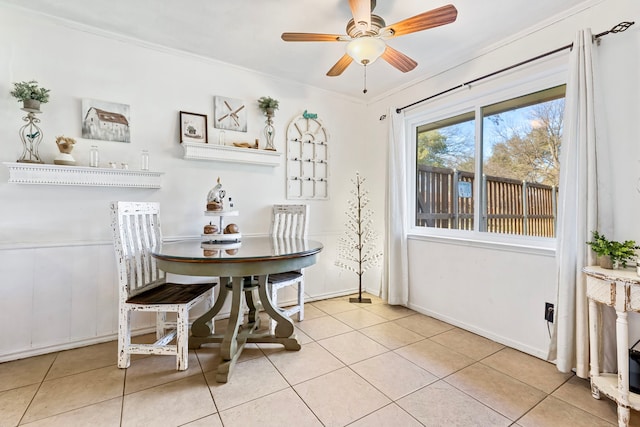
x=366, y=34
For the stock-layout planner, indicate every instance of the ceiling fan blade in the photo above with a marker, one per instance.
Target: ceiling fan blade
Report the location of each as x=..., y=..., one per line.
x=361, y=10
x=340, y=66
x=312, y=37
x=398, y=59
x=433, y=18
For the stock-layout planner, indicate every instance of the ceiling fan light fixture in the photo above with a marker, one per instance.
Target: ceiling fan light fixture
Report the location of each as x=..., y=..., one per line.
x=365, y=50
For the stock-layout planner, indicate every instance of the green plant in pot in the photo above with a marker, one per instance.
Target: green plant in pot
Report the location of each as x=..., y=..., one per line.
x=268, y=105
x=30, y=94
x=612, y=253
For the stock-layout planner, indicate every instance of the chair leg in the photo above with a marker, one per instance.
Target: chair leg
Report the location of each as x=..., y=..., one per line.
x=124, y=338
x=182, y=339
x=274, y=302
x=301, y=300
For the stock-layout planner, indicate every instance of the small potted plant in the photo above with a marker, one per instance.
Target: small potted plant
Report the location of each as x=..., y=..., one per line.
x=268, y=105
x=30, y=94
x=612, y=253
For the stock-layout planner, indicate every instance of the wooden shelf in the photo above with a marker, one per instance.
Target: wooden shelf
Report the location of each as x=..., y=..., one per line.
x=36, y=173
x=225, y=153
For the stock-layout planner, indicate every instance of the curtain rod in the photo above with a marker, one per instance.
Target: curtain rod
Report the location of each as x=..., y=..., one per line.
x=621, y=27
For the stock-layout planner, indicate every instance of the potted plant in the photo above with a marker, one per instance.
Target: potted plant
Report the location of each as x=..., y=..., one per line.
x=612, y=253
x=30, y=94
x=268, y=105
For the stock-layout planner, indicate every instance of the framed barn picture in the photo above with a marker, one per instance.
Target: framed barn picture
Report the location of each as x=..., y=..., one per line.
x=107, y=121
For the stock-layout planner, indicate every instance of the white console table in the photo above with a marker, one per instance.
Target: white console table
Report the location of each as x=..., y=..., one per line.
x=619, y=289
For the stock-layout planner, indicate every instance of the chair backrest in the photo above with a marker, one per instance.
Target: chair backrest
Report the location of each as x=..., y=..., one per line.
x=290, y=221
x=136, y=232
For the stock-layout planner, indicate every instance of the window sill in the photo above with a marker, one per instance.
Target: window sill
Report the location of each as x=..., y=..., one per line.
x=533, y=246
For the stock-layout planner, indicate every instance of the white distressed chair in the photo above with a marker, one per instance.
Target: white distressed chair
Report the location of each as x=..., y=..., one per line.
x=142, y=286
x=288, y=221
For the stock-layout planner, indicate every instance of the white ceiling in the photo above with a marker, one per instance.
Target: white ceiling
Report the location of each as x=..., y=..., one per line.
x=247, y=32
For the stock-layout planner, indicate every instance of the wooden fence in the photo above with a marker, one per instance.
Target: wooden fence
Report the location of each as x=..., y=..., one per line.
x=445, y=199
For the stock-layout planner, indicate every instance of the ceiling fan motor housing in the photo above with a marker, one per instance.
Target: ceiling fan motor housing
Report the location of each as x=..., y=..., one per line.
x=376, y=24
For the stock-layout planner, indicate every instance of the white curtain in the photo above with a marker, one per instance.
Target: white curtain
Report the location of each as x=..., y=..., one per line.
x=584, y=182
x=395, y=286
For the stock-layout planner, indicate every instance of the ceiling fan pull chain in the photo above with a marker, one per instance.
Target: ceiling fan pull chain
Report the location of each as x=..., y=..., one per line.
x=365, y=62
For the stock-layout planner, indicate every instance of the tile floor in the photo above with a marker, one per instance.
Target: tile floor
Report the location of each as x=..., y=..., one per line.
x=360, y=365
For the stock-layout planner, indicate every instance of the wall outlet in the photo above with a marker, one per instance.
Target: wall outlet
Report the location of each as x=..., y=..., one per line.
x=548, y=312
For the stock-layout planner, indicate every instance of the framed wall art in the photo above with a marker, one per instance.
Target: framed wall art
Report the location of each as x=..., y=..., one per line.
x=104, y=120
x=193, y=127
x=229, y=114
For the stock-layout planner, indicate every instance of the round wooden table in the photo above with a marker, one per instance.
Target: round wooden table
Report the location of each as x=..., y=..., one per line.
x=233, y=262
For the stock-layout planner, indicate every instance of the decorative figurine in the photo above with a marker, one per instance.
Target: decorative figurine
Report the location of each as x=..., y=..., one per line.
x=215, y=198
x=65, y=145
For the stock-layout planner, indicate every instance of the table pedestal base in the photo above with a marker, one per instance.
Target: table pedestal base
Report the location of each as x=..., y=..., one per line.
x=238, y=334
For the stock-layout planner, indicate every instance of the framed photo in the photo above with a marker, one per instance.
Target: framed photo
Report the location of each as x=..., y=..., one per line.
x=229, y=114
x=107, y=121
x=193, y=127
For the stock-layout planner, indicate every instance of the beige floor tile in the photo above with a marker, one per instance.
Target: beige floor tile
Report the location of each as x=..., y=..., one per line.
x=323, y=327
x=249, y=380
x=553, y=412
x=23, y=372
x=340, y=397
x=440, y=405
x=210, y=421
x=359, y=319
x=333, y=306
x=311, y=312
x=103, y=414
x=467, y=343
x=301, y=336
x=208, y=356
x=278, y=409
x=171, y=404
x=393, y=375
x=500, y=392
x=389, y=312
x=424, y=325
x=391, y=335
x=14, y=402
x=352, y=347
x=530, y=370
x=435, y=358
x=577, y=392
x=84, y=359
x=73, y=392
x=297, y=366
x=389, y=416
x=156, y=370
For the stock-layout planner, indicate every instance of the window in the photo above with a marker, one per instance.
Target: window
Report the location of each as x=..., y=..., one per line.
x=518, y=141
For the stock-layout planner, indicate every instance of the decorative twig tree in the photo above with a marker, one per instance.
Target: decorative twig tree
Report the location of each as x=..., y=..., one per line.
x=356, y=249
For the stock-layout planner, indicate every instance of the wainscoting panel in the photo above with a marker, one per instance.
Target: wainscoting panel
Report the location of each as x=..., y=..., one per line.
x=58, y=296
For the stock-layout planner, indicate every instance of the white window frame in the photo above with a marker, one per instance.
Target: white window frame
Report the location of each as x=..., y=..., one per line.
x=535, y=77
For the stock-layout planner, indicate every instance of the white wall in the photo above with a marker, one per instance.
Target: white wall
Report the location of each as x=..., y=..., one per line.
x=56, y=262
x=496, y=291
